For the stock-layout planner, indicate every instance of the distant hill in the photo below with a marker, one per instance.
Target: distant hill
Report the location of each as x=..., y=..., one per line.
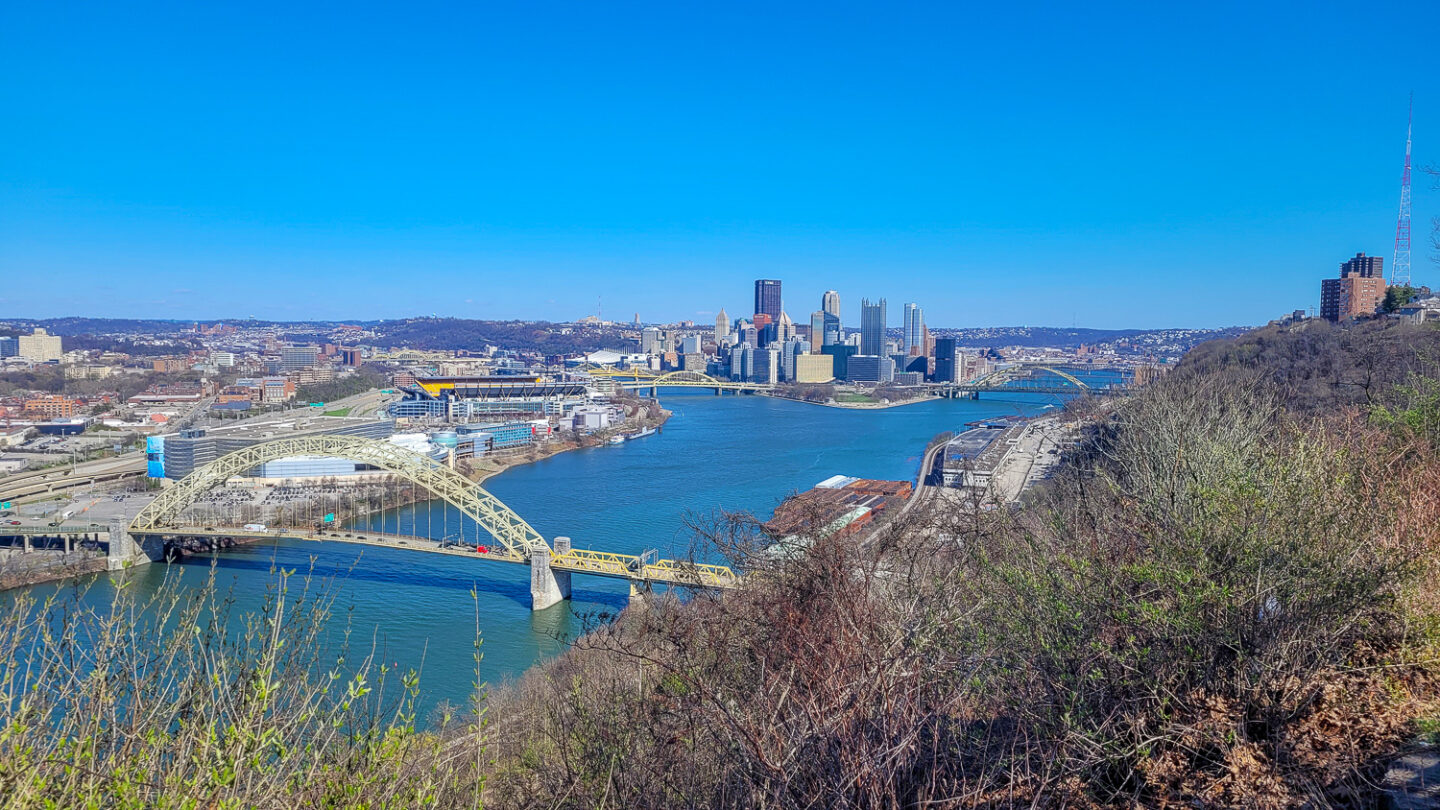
x=1164, y=340
x=561, y=338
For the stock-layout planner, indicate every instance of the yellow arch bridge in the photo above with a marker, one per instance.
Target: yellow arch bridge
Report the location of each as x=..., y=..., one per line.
x=516, y=542
x=634, y=380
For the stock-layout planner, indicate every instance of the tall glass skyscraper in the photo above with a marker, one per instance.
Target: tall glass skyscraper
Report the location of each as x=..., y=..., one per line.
x=767, y=297
x=914, y=330
x=872, y=327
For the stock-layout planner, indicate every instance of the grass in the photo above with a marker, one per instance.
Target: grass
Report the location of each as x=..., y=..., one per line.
x=1429, y=729
x=855, y=398
x=338, y=412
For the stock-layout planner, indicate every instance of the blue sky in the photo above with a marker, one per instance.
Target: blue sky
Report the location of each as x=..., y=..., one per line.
x=1103, y=164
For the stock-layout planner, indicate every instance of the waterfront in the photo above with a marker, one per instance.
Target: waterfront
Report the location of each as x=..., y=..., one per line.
x=732, y=452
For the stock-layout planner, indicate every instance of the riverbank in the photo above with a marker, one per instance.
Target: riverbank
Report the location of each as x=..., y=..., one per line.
x=19, y=570
x=483, y=469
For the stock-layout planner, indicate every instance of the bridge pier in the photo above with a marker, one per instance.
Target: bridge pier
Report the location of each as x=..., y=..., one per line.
x=122, y=551
x=548, y=586
x=639, y=591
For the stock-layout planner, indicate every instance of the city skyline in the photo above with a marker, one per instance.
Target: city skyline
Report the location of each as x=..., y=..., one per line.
x=170, y=165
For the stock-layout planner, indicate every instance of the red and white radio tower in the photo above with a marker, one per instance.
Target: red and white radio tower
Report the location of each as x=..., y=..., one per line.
x=1400, y=268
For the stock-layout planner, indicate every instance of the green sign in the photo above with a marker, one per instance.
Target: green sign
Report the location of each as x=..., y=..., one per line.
x=5, y=505
x=330, y=517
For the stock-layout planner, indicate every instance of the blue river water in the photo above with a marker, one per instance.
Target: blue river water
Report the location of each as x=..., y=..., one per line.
x=731, y=452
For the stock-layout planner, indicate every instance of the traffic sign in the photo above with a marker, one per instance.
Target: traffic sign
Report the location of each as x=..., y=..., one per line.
x=329, y=517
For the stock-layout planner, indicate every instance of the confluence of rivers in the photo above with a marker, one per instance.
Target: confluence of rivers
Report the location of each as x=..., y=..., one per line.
x=731, y=452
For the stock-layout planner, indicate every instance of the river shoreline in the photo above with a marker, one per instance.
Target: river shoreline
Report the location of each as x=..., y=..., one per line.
x=480, y=474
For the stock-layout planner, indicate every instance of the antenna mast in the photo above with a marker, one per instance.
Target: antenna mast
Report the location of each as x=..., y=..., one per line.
x=1400, y=267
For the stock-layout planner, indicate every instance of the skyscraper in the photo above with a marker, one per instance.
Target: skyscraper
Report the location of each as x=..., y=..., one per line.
x=872, y=327
x=830, y=303
x=767, y=297
x=946, y=366
x=784, y=328
x=722, y=327
x=913, y=340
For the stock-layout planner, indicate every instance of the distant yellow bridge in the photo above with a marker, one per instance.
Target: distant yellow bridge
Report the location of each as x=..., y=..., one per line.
x=633, y=379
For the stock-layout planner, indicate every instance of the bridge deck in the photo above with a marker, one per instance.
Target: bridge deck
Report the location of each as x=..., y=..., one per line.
x=581, y=561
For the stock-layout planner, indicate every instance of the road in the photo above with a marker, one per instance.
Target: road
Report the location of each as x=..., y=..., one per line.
x=1038, y=450
x=923, y=490
x=58, y=479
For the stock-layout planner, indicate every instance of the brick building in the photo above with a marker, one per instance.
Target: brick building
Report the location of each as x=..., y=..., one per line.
x=1357, y=293
x=51, y=406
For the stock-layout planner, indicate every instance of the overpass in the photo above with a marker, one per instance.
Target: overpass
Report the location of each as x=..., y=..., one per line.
x=515, y=541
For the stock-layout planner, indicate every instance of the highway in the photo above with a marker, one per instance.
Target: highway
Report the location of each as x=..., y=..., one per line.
x=923, y=490
x=59, y=479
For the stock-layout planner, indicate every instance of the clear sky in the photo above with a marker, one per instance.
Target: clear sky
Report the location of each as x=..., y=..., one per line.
x=1101, y=164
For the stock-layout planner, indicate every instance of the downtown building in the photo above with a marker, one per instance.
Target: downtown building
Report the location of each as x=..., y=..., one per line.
x=767, y=299
x=914, y=334
x=872, y=327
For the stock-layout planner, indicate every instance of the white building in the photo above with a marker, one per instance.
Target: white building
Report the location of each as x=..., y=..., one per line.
x=40, y=347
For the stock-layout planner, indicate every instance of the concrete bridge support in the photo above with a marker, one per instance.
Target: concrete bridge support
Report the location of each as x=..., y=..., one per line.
x=639, y=591
x=548, y=586
x=124, y=551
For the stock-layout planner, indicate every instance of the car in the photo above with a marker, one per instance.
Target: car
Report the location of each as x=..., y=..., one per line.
x=12, y=523
x=482, y=550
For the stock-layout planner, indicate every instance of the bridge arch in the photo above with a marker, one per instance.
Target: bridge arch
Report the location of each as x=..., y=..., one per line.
x=508, y=529
x=684, y=377
x=1072, y=379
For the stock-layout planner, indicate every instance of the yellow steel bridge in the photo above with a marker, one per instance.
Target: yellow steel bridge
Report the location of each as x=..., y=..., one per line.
x=516, y=541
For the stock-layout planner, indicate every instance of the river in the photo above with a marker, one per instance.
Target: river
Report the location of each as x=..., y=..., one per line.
x=731, y=452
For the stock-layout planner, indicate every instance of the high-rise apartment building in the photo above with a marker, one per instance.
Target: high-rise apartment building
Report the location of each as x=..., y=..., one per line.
x=722, y=327
x=767, y=298
x=872, y=327
x=913, y=341
x=1357, y=293
x=39, y=347
x=1363, y=266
